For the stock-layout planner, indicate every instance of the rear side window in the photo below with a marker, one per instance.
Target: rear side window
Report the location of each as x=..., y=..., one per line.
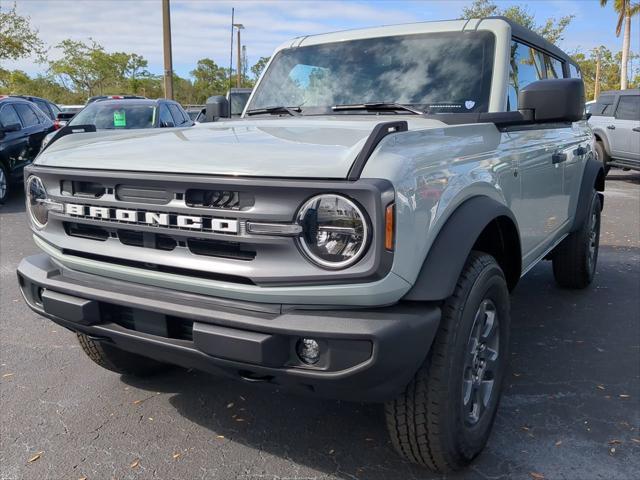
x=43, y=106
x=8, y=116
x=553, y=67
x=28, y=114
x=165, y=116
x=628, y=107
x=178, y=119
x=527, y=66
x=603, y=107
x=574, y=72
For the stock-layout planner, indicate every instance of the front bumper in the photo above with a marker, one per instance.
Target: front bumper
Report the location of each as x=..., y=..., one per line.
x=366, y=354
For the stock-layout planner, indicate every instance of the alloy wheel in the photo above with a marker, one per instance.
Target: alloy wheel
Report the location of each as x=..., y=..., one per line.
x=481, y=362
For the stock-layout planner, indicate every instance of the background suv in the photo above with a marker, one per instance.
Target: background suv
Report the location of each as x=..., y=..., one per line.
x=615, y=119
x=23, y=126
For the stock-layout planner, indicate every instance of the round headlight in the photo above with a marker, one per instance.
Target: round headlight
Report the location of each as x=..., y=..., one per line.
x=335, y=231
x=36, y=202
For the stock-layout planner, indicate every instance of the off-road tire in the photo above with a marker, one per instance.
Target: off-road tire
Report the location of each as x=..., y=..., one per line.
x=119, y=361
x=426, y=422
x=603, y=156
x=5, y=184
x=576, y=258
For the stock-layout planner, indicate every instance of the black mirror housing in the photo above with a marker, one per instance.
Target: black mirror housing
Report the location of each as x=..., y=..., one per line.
x=12, y=127
x=553, y=100
x=217, y=107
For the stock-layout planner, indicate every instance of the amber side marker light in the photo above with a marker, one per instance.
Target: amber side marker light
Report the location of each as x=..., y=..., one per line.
x=389, y=215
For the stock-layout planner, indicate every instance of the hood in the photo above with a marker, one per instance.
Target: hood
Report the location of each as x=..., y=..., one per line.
x=318, y=147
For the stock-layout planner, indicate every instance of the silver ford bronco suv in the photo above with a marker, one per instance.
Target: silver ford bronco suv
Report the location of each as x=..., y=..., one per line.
x=355, y=235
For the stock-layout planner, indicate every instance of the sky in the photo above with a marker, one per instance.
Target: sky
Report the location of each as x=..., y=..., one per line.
x=201, y=28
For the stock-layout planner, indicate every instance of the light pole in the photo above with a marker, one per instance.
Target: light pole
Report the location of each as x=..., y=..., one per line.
x=239, y=26
x=168, y=61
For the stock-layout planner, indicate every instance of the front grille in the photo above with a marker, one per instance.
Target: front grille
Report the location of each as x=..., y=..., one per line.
x=82, y=189
x=85, y=231
x=158, y=241
x=196, y=197
x=148, y=240
x=212, y=248
x=152, y=195
x=161, y=268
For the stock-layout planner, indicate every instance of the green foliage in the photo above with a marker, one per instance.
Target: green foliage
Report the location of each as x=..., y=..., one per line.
x=552, y=29
x=209, y=79
x=259, y=67
x=609, y=73
x=17, y=38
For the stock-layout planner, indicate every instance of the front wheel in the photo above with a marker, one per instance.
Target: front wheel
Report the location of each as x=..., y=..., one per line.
x=116, y=360
x=444, y=417
x=575, y=259
x=4, y=184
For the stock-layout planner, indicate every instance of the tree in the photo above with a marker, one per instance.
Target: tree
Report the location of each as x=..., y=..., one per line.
x=259, y=67
x=17, y=38
x=209, y=79
x=552, y=29
x=610, y=69
x=625, y=10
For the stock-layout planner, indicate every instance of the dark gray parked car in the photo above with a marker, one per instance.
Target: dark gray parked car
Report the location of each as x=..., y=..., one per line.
x=615, y=119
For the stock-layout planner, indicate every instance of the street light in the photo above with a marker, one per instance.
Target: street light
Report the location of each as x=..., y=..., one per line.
x=239, y=26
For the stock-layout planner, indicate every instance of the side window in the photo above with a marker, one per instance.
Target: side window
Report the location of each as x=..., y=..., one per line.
x=603, y=107
x=553, y=67
x=628, y=107
x=8, y=116
x=28, y=115
x=165, y=116
x=527, y=66
x=43, y=107
x=178, y=119
x=573, y=71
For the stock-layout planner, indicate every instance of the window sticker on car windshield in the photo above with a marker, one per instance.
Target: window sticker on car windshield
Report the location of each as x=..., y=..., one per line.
x=119, y=119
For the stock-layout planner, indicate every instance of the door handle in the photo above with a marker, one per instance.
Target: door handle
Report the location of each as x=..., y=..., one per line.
x=558, y=158
x=580, y=151
x=637, y=129
x=611, y=127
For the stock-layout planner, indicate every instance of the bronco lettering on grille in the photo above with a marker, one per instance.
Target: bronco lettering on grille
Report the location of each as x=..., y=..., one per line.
x=169, y=220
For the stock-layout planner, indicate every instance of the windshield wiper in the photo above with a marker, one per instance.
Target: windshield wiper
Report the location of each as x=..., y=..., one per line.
x=377, y=106
x=293, y=111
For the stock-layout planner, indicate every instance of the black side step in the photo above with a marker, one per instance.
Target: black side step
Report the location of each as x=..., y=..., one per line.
x=375, y=137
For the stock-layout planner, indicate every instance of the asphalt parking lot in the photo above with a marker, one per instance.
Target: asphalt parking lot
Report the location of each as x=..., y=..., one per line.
x=571, y=408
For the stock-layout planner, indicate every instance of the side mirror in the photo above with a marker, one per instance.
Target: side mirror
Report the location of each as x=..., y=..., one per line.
x=554, y=100
x=12, y=127
x=166, y=124
x=217, y=107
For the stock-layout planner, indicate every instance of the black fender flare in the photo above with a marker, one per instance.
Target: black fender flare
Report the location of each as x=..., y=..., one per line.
x=592, y=179
x=453, y=244
x=602, y=138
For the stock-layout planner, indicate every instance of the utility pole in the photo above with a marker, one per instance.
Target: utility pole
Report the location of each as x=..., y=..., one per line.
x=596, y=88
x=168, y=61
x=239, y=26
x=231, y=50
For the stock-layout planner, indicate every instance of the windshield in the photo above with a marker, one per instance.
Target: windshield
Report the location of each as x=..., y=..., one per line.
x=440, y=72
x=110, y=116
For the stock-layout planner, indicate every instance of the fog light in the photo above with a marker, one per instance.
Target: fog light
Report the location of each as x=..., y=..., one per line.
x=308, y=350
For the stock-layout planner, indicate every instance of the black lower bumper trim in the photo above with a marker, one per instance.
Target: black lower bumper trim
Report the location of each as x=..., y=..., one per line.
x=366, y=354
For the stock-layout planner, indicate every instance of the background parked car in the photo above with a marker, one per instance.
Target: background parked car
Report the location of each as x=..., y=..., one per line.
x=124, y=115
x=615, y=119
x=23, y=126
x=49, y=108
x=95, y=98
